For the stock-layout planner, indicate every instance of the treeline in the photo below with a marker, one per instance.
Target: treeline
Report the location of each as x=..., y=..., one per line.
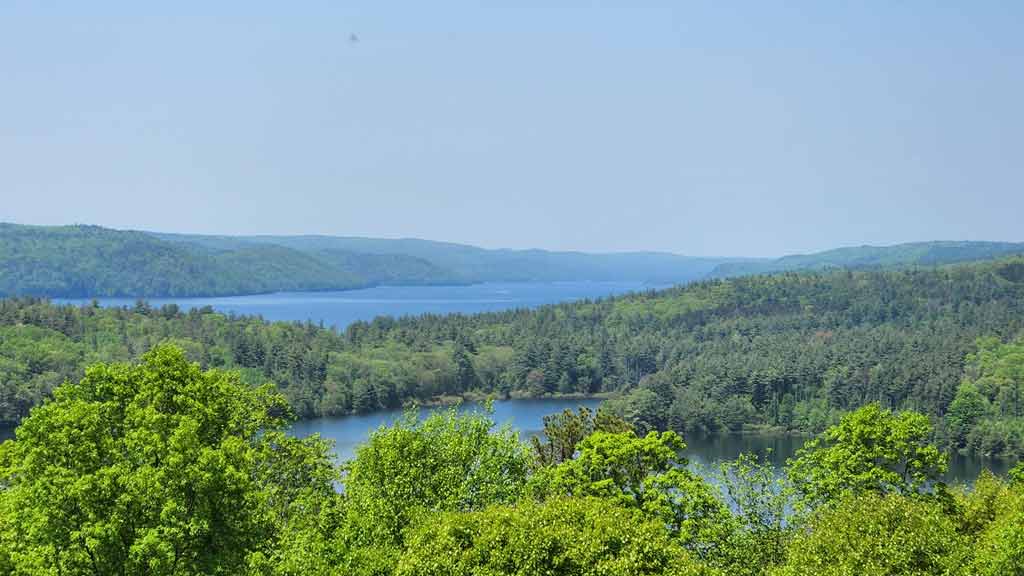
x=790, y=351
x=863, y=257
x=91, y=262
x=161, y=468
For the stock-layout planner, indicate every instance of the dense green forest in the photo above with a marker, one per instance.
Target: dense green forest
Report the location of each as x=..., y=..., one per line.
x=90, y=261
x=161, y=468
x=80, y=261
x=791, y=352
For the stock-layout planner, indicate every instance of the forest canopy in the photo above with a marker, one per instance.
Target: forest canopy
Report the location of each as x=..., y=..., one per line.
x=162, y=468
x=92, y=262
x=788, y=352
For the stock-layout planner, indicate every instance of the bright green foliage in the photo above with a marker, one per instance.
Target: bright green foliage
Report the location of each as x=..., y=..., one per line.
x=870, y=450
x=991, y=514
x=445, y=462
x=308, y=539
x=568, y=537
x=1001, y=551
x=158, y=468
x=760, y=498
x=976, y=507
x=1017, y=474
x=646, y=474
x=164, y=469
x=873, y=535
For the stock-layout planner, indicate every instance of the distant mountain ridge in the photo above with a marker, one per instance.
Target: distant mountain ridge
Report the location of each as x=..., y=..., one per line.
x=83, y=261
x=92, y=261
x=473, y=264
x=865, y=257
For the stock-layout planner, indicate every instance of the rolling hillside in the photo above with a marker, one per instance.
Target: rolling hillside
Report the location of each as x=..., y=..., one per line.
x=87, y=261
x=472, y=264
x=865, y=257
x=91, y=261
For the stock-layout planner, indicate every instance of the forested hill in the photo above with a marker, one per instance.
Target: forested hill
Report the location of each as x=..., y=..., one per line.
x=90, y=261
x=792, y=351
x=84, y=261
x=864, y=257
x=473, y=264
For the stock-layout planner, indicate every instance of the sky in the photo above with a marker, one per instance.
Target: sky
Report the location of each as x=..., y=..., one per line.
x=701, y=128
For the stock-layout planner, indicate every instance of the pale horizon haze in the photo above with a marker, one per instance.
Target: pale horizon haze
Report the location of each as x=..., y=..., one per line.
x=705, y=128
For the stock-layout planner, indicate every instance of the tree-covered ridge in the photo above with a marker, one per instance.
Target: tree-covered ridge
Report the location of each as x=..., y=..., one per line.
x=791, y=352
x=91, y=261
x=75, y=261
x=854, y=257
x=161, y=468
x=473, y=264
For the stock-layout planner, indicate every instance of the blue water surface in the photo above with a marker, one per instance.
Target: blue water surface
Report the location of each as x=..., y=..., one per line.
x=341, y=308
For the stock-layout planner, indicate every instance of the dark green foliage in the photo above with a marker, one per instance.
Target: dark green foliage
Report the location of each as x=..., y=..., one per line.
x=563, y=433
x=792, y=352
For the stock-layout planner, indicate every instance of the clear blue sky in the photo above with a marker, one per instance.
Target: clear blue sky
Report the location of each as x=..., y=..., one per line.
x=699, y=128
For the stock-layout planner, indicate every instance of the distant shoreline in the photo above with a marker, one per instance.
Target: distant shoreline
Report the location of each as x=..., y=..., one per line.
x=86, y=299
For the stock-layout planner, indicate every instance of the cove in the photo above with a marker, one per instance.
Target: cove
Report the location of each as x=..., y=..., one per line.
x=527, y=416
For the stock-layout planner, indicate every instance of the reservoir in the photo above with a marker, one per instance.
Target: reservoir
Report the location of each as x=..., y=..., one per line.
x=339, y=309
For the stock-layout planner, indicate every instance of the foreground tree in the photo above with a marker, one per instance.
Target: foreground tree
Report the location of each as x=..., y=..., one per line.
x=870, y=450
x=993, y=513
x=570, y=537
x=877, y=535
x=157, y=468
x=648, y=474
x=446, y=462
x=760, y=498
